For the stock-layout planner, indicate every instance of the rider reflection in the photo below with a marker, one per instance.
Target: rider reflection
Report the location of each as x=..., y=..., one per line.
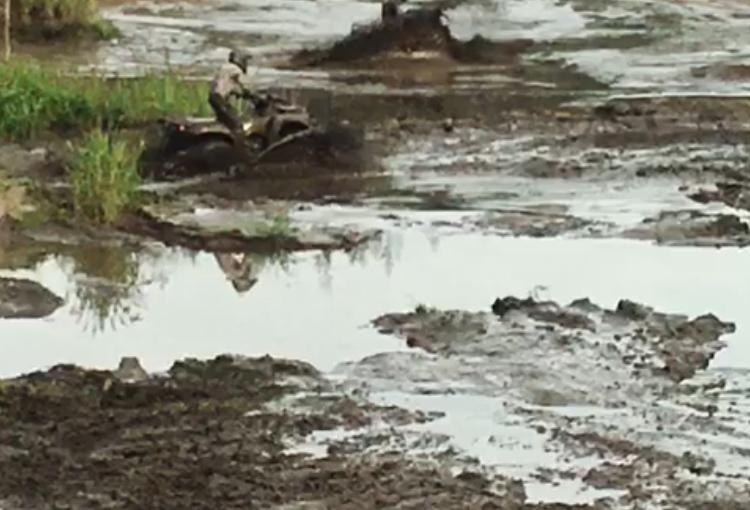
x=238, y=268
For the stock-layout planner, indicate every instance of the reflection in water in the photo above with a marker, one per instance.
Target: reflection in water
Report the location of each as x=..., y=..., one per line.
x=19, y=255
x=240, y=270
x=385, y=247
x=318, y=306
x=323, y=266
x=107, y=285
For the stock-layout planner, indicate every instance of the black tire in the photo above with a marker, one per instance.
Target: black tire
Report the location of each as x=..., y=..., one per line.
x=256, y=143
x=211, y=155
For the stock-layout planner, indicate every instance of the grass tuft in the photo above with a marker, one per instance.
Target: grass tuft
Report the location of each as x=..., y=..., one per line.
x=279, y=226
x=35, y=100
x=104, y=177
x=32, y=101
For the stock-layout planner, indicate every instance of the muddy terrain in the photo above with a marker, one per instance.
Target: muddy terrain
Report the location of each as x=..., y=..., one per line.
x=206, y=433
x=400, y=327
x=226, y=430
x=605, y=392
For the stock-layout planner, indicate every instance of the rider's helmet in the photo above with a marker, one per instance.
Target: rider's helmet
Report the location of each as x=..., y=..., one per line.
x=240, y=58
x=389, y=10
x=242, y=285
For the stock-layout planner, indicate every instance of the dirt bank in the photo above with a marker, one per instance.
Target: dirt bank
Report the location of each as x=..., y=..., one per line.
x=206, y=434
x=26, y=299
x=693, y=228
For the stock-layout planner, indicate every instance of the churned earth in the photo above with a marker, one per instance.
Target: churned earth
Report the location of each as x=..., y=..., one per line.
x=534, y=300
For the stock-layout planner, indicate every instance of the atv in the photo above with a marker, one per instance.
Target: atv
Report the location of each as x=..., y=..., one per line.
x=277, y=133
x=271, y=120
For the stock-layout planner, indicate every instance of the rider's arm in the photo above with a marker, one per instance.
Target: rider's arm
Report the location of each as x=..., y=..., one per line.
x=245, y=88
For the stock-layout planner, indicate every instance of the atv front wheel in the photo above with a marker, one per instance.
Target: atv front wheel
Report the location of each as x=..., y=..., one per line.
x=256, y=143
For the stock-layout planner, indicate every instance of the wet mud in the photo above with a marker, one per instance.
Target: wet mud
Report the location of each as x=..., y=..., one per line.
x=733, y=194
x=207, y=433
x=675, y=347
x=693, y=228
x=566, y=372
x=26, y=299
x=417, y=33
x=227, y=238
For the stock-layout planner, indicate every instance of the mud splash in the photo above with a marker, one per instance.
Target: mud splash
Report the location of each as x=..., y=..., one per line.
x=415, y=34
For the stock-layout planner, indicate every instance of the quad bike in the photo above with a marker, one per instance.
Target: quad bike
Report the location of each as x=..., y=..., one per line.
x=277, y=134
x=190, y=146
x=272, y=120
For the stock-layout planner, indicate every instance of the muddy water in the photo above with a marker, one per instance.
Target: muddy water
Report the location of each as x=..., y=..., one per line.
x=318, y=311
x=674, y=46
x=199, y=33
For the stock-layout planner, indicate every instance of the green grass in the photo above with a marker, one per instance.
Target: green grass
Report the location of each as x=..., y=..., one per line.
x=104, y=177
x=37, y=20
x=279, y=226
x=109, y=297
x=35, y=100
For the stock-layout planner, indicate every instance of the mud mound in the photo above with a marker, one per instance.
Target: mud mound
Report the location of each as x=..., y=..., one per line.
x=145, y=224
x=481, y=50
x=733, y=194
x=20, y=298
x=417, y=30
x=668, y=345
x=211, y=434
x=693, y=228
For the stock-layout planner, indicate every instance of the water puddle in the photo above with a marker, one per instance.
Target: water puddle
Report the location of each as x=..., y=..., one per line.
x=317, y=308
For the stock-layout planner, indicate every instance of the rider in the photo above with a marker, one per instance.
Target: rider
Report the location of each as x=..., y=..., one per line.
x=230, y=81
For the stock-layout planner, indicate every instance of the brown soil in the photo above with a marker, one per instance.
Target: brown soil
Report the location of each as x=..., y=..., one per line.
x=145, y=225
x=202, y=436
x=419, y=29
x=26, y=299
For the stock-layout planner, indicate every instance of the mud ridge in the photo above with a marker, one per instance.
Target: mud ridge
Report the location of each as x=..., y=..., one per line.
x=144, y=224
